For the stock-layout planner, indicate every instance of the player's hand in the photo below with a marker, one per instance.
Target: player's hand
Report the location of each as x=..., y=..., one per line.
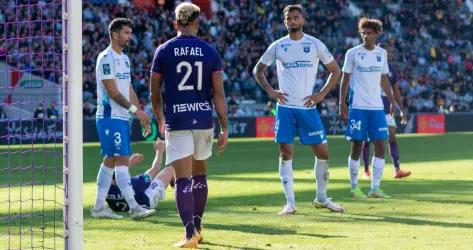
x=392, y=110
x=159, y=145
x=278, y=96
x=135, y=159
x=312, y=100
x=144, y=121
x=222, y=141
x=404, y=117
x=343, y=112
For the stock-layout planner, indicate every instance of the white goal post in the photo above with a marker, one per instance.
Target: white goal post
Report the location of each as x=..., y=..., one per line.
x=72, y=128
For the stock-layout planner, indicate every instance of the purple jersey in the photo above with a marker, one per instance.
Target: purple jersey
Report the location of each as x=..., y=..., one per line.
x=186, y=64
x=393, y=78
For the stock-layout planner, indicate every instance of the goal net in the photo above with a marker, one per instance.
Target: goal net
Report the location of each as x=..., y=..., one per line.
x=39, y=206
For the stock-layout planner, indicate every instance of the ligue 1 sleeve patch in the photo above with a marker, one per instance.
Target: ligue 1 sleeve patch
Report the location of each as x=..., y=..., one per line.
x=106, y=69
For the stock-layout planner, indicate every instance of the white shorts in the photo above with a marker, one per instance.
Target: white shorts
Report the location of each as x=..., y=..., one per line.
x=182, y=143
x=390, y=121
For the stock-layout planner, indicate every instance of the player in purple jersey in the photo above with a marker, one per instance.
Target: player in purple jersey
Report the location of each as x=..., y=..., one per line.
x=393, y=147
x=149, y=187
x=191, y=71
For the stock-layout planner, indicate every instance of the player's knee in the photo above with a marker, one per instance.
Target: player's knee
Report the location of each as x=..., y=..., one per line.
x=285, y=155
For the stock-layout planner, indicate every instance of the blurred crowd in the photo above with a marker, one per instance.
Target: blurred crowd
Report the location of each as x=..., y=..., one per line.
x=431, y=40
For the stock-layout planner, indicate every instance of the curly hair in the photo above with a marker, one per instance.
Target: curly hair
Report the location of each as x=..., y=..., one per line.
x=375, y=24
x=186, y=13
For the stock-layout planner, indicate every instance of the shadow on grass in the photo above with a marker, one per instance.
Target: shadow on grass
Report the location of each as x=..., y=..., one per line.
x=400, y=220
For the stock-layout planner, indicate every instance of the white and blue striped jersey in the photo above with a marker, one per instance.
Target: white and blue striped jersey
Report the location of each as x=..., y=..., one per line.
x=297, y=63
x=111, y=65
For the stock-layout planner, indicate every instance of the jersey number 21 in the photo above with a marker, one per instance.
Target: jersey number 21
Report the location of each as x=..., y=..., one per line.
x=182, y=85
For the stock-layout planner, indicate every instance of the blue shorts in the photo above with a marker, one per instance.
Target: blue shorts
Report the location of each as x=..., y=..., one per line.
x=304, y=122
x=139, y=183
x=366, y=125
x=114, y=135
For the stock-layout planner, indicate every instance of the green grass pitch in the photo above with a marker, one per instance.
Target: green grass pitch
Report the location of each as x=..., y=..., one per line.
x=432, y=209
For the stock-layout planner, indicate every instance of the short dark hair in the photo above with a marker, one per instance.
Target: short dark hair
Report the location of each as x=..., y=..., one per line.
x=117, y=24
x=375, y=24
x=293, y=7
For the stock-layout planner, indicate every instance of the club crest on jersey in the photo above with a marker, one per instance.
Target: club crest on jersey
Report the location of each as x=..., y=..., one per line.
x=306, y=49
x=378, y=57
x=127, y=64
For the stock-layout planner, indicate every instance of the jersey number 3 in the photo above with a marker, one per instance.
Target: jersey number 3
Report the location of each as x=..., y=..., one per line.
x=182, y=85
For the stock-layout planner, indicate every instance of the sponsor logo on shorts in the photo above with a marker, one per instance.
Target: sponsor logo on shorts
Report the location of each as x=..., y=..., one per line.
x=315, y=133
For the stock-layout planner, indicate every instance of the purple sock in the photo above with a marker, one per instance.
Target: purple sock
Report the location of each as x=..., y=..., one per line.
x=200, y=191
x=185, y=204
x=394, y=151
x=366, y=155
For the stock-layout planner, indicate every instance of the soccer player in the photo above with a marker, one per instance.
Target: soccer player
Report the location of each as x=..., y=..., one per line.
x=149, y=187
x=393, y=147
x=297, y=57
x=114, y=92
x=191, y=70
x=366, y=70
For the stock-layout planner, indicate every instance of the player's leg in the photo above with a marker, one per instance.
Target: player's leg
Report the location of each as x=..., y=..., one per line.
x=354, y=166
x=200, y=191
x=366, y=159
x=120, y=133
x=378, y=132
x=312, y=132
x=105, y=174
x=356, y=132
x=203, y=141
x=286, y=176
x=394, y=152
x=284, y=135
x=179, y=153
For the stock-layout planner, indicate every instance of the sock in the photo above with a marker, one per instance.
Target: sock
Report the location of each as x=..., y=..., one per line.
x=378, y=166
x=185, y=204
x=321, y=176
x=287, y=180
x=104, y=180
x=353, y=166
x=156, y=186
x=200, y=191
x=366, y=155
x=122, y=176
x=394, y=151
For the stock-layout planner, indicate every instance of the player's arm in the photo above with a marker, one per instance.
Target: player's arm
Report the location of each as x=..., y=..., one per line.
x=259, y=74
x=156, y=97
x=343, y=108
x=399, y=100
x=112, y=91
x=388, y=90
x=134, y=97
x=329, y=85
x=221, y=108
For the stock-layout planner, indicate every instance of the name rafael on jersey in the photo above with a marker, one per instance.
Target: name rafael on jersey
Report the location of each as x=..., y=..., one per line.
x=185, y=51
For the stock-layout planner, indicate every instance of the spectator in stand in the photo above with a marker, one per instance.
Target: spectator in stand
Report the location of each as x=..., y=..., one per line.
x=52, y=112
x=39, y=112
